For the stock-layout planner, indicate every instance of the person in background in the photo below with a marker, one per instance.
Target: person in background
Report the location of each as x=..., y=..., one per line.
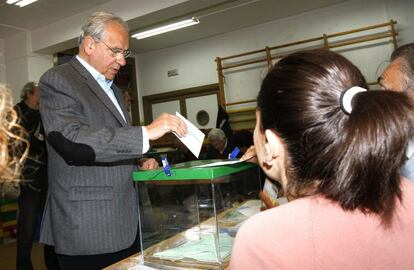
x=337, y=150
x=128, y=98
x=91, y=212
x=34, y=180
x=399, y=76
x=220, y=146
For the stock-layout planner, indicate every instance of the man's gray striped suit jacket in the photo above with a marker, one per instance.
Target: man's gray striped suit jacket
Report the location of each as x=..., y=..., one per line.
x=92, y=204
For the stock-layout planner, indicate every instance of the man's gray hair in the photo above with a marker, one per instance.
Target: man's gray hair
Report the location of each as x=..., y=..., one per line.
x=27, y=88
x=216, y=134
x=406, y=54
x=96, y=23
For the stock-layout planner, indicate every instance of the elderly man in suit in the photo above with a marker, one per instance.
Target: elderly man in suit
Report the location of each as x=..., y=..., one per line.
x=91, y=213
x=399, y=76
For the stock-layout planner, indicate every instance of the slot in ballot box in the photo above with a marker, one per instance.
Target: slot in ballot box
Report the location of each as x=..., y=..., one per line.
x=190, y=219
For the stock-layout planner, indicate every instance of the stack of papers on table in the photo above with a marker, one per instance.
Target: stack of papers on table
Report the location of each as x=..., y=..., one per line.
x=250, y=208
x=202, y=249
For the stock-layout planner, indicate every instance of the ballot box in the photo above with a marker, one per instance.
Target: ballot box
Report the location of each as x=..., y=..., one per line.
x=189, y=215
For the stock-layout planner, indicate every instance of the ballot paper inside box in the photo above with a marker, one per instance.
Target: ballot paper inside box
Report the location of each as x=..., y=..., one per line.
x=190, y=219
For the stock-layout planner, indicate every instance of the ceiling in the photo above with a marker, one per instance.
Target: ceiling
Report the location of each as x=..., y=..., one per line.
x=216, y=17
x=14, y=19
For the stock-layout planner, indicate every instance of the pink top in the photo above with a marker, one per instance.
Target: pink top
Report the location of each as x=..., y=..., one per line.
x=314, y=233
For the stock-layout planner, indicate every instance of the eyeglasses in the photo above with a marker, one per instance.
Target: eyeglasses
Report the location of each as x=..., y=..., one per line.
x=116, y=52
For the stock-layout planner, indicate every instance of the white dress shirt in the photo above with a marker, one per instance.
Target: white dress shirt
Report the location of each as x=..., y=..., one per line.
x=106, y=87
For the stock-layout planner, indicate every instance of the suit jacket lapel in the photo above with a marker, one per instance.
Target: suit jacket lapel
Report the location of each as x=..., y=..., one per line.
x=97, y=89
x=120, y=99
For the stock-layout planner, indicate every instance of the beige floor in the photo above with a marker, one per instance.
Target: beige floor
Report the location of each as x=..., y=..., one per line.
x=8, y=256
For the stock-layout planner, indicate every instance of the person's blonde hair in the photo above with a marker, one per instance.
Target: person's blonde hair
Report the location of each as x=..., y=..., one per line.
x=12, y=139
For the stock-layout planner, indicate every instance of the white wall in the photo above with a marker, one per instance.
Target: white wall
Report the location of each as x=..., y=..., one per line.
x=22, y=65
x=402, y=11
x=16, y=63
x=37, y=63
x=196, y=65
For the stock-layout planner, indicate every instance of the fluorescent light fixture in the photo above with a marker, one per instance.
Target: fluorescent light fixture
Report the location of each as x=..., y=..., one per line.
x=25, y=2
x=165, y=28
x=20, y=3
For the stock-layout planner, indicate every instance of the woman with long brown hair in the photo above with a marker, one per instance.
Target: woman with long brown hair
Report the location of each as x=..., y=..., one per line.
x=337, y=150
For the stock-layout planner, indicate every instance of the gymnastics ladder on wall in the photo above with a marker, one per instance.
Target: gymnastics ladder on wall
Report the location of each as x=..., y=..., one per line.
x=271, y=53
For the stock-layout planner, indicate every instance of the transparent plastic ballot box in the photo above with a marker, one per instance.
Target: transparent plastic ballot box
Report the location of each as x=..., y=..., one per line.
x=189, y=220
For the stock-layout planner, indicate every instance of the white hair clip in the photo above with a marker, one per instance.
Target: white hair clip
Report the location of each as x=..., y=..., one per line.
x=345, y=100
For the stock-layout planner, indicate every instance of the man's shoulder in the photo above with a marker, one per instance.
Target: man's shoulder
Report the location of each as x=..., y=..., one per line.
x=63, y=70
x=60, y=68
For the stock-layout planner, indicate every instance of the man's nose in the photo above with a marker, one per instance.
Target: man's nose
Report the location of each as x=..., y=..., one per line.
x=120, y=59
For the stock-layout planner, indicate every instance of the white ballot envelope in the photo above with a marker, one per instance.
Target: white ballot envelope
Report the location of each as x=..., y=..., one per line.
x=194, y=138
x=219, y=163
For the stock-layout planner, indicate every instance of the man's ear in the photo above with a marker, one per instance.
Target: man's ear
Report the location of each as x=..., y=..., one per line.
x=88, y=45
x=273, y=146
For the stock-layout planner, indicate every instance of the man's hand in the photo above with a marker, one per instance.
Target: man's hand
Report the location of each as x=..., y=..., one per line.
x=164, y=124
x=148, y=164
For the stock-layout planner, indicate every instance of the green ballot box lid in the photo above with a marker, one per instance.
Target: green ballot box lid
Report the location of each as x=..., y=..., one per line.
x=188, y=171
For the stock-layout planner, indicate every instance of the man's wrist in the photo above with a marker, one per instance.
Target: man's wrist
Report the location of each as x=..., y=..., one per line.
x=145, y=140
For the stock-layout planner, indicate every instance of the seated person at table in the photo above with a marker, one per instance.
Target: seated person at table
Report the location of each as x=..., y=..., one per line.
x=337, y=149
x=220, y=146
